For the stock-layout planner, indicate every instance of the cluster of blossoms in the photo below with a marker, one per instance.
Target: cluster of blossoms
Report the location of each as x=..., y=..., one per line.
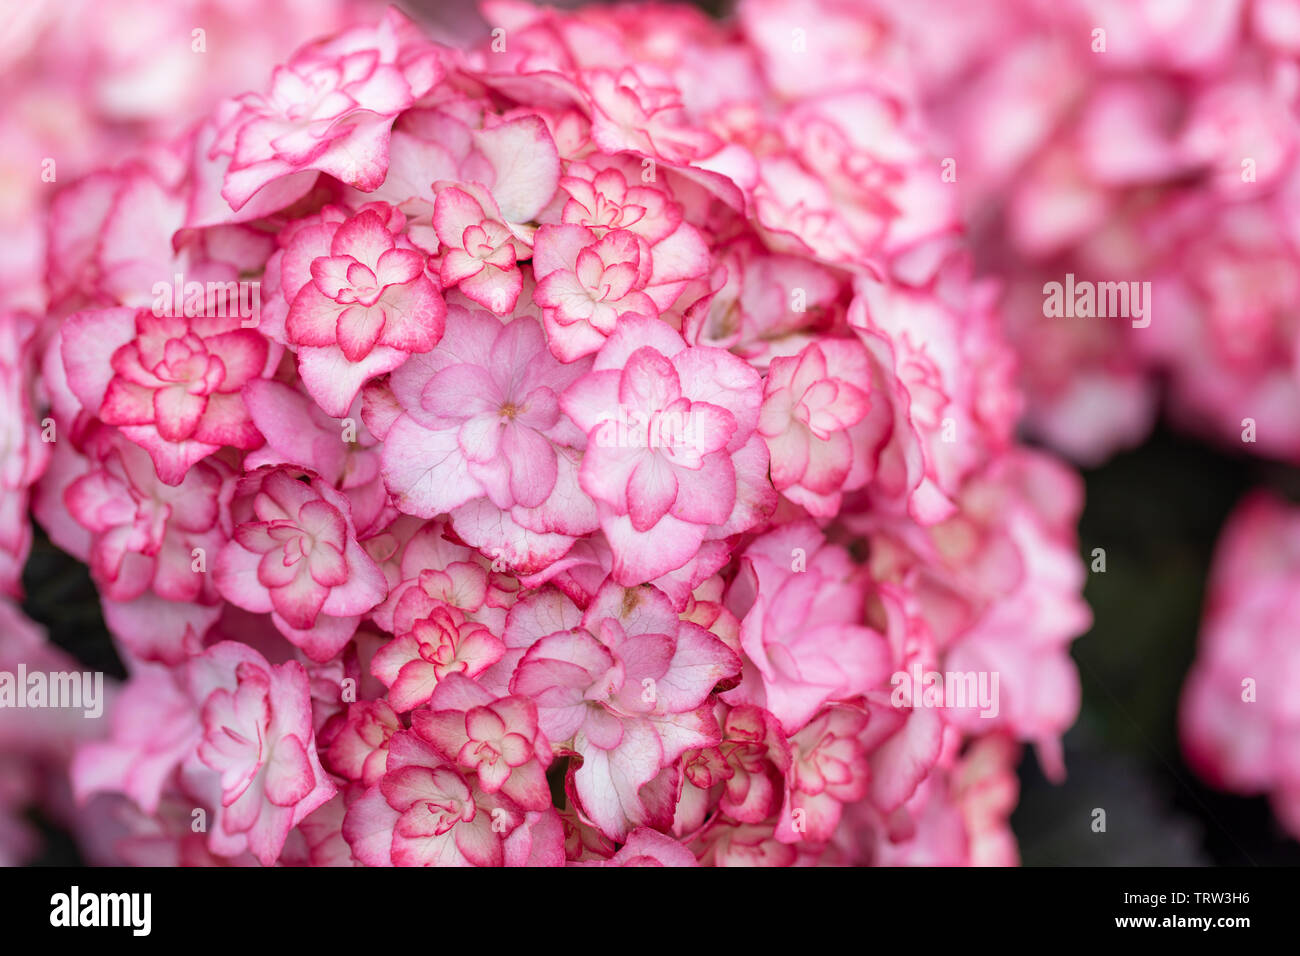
x=580, y=447
x=84, y=79
x=1138, y=141
x=1123, y=141
x=1127, y=140
x=81, y=80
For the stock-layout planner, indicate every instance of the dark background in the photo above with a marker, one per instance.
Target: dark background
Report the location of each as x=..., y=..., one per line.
x=1157, y=511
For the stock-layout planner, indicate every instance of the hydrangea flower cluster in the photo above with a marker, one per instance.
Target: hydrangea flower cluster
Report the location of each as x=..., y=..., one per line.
x=1152, y=141
x=1130, y=141
x=84, y=79
x=581, y=447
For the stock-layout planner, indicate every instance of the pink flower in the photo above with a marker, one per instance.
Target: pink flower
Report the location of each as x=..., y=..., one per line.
x=171, y=384
x=482, y=420
x=355, y=743
x=143, y=532
x=479, y=249
x=422, y=556
x=626, y=693
x=423, y=812
x=433, y=640
x=1236, y=715
x=603, y=198
x=498, y=739
x=639, y=109
x=329, y=109
x=360, y=301
x=590, y=277
x=295, y=555
x=800, y=609
x=667, y=425
x=226, y=723
x=810, y=403
x=748, y=766
x=587, y=284
x=828, y=768
x=148, y=544
x=257, y=735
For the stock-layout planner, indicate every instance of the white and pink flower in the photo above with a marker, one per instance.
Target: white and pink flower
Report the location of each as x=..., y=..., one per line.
x=294, y=554
x=620, y=414
x=171, y=384
x=359, y=301
x=674, y=478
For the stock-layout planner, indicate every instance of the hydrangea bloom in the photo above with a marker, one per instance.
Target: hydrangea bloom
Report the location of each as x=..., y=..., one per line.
x=669, y=429
x=227, y=727
x=1237, y=716
x=171, y=384
x=482, y=438
x=359, y=303
x=293, y=553
x=611, y=432
x=1137, y=142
